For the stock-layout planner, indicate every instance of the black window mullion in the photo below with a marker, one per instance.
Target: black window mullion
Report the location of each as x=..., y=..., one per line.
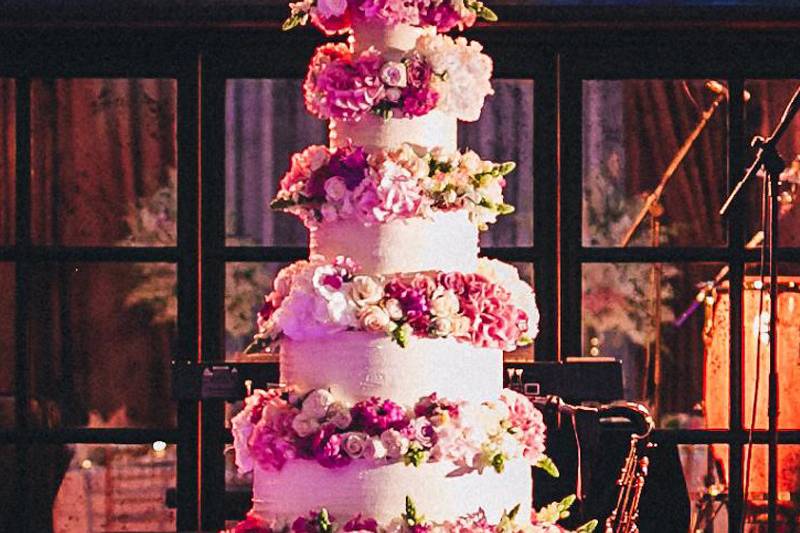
x=22, y=285
x=188, y=290
x=545, y=202
x=736, y=225
x=569, y=171
x=212, y=294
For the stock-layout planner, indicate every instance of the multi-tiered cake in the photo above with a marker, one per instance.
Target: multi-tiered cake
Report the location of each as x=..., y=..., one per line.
x=392, y=414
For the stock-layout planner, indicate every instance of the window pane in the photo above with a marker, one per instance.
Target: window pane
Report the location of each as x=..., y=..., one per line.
x=104, y=160
x=7, y=344
x=788, y=485
x=632, y=129
x=706, y=479
x=8, y=171
x=504, y=132
x=114, y=488
x=266, y=122
x=767, y=103
x=618, y=318
x=245, y=287
x=102, y=337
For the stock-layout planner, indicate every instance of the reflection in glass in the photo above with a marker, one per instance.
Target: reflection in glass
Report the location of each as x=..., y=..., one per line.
x=265, y=123
x=115, y=488
x=7, y=343
x=619, y=321
x=246, y=284
x=102, y=337
x=766, y=105
x=104, y=160
x=632, y=129
x=504, y=132
x=8, y=147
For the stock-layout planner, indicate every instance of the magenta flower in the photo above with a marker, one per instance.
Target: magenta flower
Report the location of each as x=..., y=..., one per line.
x=358, y=523
x=374, y=416
x=309, y=524
x=445, y=17
x=327, y=447
x=271, y=450
x=350, y=164
x=252, y=524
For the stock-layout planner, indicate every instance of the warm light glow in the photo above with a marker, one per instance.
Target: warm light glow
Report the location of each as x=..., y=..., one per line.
x=159, y=446
x=86, y=464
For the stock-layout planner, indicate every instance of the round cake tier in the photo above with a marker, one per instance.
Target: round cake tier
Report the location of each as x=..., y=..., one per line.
x=376, y=133
x=447, y=241
x=392, y=41
x=357, y=365
x=379, y=492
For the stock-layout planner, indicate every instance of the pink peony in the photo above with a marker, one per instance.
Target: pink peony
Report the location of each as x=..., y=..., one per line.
x=359, y=523
x=374, y=416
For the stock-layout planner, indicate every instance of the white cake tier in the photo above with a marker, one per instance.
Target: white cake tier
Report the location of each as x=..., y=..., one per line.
x=379, y=491
x=375, y=133
x=357, y=365
x=446, y=241
x=392, y=41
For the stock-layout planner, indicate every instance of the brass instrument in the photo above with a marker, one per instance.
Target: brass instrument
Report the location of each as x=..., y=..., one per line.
x=634, y=469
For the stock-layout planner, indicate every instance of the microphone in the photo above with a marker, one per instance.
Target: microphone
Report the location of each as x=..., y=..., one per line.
x=716, y=87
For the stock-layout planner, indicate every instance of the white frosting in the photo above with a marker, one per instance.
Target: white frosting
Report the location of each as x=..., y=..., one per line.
x=446, y=241
x=356, y=365
x=374, y=133
x=391, y=41
x=379, y=491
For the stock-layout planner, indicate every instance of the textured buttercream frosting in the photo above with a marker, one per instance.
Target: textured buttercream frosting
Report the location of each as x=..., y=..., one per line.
x=357, y=365
x=376, y=133
x=379, y=491
x=446, y=241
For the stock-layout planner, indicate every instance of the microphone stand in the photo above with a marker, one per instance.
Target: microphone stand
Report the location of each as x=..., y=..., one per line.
x=767, y=157
x=655, y=210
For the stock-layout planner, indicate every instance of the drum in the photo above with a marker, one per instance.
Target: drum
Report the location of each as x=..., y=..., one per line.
x=715, y=382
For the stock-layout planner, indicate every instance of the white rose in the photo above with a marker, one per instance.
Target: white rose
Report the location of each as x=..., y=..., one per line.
x=394, y=309
x=355, y=444
x=445, y=304
x=340, y=415
x=442, y=327
x=395, y=443
x=317, y=403
x=373, y=318
x=331, y=8
x=364, y=290
x=374, y=449
x=335, y=189
x=394, y=74
x=304, y=425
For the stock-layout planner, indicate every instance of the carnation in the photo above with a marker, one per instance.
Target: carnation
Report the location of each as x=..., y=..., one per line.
x=376, y=415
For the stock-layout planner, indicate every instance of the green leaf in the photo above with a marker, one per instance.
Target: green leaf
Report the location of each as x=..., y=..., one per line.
x=410, y=516
x=324, y=521
x=505, y=209
x=588, y=527
x=567, y=502
x=499, y=463
x=547, y=464
x=415, y=455
x=487, y=14
x=507, y=167
x=291, y=22
x=513, y=513
x=401, y=335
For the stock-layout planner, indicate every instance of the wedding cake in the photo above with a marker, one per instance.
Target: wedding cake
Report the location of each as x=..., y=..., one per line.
x=391, y=414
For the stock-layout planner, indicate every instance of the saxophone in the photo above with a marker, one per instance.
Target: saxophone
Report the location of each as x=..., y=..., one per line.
x=634, y=469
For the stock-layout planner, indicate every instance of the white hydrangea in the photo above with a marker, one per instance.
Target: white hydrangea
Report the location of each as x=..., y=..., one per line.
x=522, y=295
x=463, y=74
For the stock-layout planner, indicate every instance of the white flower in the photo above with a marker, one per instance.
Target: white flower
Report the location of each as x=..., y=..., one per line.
x=445, y=304
x=394, y=74
x=396, y=443
x=340, y=415
x=317, y=403
x=374, y=449
x=304, y=425
x=331, y=8
x=364, y=290
x=373, y=318
x=522, y=294
x=242, y=430
x=355, y=444
x=442, y=327
x=335, y=189
x=394, y=309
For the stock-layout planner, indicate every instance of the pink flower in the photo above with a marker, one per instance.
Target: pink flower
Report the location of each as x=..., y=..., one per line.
x=390, y=12
x=309, y=524
x=445, y=17
x=414, y=302
x=524, y=417
x=252, y=524
x=272, y=451
x=419, y=102
x=327, y=447
x=331, y=8
x=341, y=87
x=358, y=523
x=374, y=416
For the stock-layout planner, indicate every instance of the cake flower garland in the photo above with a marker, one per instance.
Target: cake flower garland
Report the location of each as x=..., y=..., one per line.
x=412, y=521
x=326, y=185
x=450, y=75
x=337, y=16
x=279, y=425
x=313, y=299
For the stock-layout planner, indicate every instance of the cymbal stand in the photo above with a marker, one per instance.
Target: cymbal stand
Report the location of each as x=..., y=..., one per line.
x=653, y=208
